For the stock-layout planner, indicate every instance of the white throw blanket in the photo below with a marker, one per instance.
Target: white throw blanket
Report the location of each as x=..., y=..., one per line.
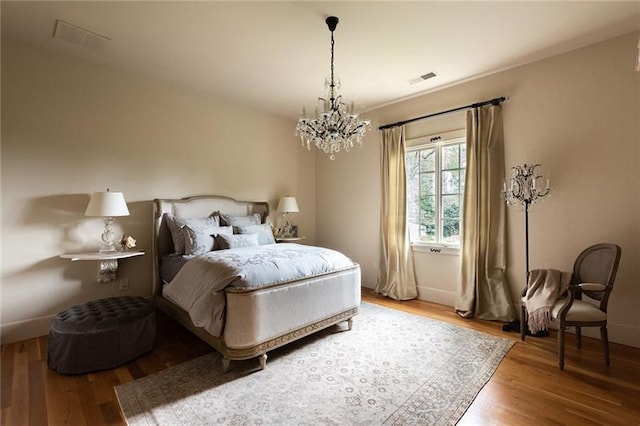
x=543, y=289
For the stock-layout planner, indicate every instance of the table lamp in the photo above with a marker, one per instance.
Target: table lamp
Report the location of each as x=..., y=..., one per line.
x=288, y=205
x=108, y=205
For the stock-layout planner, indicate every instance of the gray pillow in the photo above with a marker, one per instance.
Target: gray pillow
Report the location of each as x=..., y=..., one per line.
x=177, y=234
x=251, y=219
x=226, y=241
x=264, y=231
x=199, y=239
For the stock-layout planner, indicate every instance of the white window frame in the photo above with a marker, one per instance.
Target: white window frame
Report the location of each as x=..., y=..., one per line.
x=438, y=141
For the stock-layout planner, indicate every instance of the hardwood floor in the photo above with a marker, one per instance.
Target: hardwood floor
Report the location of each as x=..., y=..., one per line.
x=527, y=388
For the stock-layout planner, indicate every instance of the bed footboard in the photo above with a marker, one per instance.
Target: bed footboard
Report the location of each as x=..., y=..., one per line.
x=260, y=321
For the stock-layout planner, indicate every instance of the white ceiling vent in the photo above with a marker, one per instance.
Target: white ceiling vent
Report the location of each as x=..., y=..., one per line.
x=80, y=37
x=423, y=77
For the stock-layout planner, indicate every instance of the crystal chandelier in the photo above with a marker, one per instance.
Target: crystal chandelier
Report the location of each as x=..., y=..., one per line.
x=336, y=125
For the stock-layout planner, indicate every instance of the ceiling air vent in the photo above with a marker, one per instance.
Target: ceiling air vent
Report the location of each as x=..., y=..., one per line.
x=423, y=77
x=80, y=37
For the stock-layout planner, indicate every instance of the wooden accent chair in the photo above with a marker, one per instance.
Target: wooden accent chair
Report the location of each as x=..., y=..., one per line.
x=594, y=272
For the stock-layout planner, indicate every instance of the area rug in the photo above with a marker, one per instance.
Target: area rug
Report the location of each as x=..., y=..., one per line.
x=391, y=368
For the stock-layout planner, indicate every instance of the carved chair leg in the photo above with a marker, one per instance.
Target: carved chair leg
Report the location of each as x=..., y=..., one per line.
x=263, y=361
x=523, y=322
x=605, y=344
x=350, y=323
x=561, y=346
x=579, y=337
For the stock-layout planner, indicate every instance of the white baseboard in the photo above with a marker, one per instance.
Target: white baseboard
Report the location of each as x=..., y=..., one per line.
x=36, y=327
x=435, y=295
x=23, y=330
x=618, y=333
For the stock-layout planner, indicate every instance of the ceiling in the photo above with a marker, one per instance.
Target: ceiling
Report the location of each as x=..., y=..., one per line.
x=274, y=56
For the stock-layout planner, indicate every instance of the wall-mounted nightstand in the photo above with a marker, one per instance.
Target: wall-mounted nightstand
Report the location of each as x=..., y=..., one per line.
x=288, y=239
x=107, y=262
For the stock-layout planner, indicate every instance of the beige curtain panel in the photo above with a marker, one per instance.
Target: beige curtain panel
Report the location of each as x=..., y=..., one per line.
x=396, y=278
x=484, y=291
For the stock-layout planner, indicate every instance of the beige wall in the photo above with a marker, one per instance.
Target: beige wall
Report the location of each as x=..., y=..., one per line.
x=578, y=114
x=70, y=127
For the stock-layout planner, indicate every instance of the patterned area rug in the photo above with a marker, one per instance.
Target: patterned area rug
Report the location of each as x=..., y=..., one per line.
x=392, y=368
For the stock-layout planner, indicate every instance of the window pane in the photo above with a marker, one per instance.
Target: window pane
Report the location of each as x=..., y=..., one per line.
x=451, y=182
x=411, y=164
x=427, y=160
x=428, y=183
x=413, y=210
x=428, y=218
x=428, y=232
x=451, y=219
x=427, y=209
x=463, y=155
x=450, y=206
x=451, y=231
x=450, y=157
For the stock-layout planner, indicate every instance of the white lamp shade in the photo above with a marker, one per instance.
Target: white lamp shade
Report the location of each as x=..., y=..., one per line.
x=288, y=205
x=107, y=204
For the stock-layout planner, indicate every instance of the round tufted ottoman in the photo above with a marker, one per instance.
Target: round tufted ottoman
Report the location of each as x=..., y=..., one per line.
x=101, y=334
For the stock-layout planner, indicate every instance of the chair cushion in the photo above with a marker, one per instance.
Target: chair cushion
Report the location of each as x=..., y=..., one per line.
x=579, y=311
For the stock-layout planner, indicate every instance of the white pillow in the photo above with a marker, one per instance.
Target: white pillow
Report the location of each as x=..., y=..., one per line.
x=199, y=239
x=264, y=231
x=226, y=241
x=251, y=219
x=177, y=234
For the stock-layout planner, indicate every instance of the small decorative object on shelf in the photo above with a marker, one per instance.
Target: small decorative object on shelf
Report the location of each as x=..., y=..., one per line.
x=127, y=242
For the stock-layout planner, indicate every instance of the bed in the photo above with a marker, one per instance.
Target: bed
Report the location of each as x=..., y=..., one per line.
x=250, y=320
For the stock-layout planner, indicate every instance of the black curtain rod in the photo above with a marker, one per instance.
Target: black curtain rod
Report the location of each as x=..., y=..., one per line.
x=494, y=101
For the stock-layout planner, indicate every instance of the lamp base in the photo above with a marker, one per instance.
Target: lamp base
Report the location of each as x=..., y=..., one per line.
x=108, y=237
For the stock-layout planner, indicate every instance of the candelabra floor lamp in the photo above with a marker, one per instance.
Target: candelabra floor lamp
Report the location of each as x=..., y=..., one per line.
x=523, y=188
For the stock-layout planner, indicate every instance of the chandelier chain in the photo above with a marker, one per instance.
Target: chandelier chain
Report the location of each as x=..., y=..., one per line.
x=332, y=80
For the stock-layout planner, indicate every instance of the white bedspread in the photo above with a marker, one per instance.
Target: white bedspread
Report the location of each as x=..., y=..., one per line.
x=199, y=286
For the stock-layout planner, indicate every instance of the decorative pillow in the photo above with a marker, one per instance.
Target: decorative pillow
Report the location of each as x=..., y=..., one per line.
x=226, y=241
x=199, y=239
x=251, y=219
x=264, y=231
x=176, y=224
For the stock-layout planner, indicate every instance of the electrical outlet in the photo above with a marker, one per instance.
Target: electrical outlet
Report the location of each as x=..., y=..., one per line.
x=123, y=284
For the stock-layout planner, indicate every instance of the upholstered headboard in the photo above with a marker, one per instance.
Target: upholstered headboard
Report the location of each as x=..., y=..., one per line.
x=192, y=207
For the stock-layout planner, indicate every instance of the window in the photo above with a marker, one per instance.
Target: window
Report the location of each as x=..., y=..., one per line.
x=435, y=187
